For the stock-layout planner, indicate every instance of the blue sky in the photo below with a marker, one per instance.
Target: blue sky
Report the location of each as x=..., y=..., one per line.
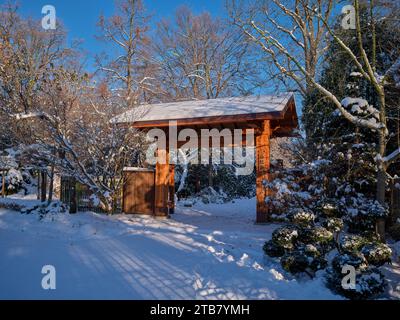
x=80, y=16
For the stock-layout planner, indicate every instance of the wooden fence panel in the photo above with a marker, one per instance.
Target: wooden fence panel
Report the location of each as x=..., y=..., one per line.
x=139, y=192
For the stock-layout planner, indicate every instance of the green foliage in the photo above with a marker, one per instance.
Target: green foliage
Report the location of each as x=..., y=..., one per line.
x=273, y=250
x=353, y=243
x=370, y=282
x=303, y=218
x=334, y=224
x=295, y=262
x=285, y=237
x=377, y=253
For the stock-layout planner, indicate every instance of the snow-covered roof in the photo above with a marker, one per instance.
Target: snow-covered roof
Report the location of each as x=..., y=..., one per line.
x=264, y=105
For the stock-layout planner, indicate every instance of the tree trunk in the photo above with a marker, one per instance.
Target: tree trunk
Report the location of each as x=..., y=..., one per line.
x=51, y=185
x=43, y=187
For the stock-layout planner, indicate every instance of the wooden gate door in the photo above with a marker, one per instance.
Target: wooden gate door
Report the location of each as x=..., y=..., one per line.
x=139, y=191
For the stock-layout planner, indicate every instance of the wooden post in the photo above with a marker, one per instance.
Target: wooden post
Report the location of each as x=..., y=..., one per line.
x=262, y=171
x=43, y=187
x=3, y=183
x=162, y=185
x=171, y=189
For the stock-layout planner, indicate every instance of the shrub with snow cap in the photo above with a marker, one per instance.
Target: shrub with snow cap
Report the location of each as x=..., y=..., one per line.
x=369, y=282
x=356, y=260
x=303, y=218
x=285, y=237
x=334, y=224
x=330, y=208
x=362, y=214
x=352, y=243
x=377, y=254
x=14, y=180
x=273, y=250
x=295, y=262
x=316, y=235
x=300, y=261
x=312, y=251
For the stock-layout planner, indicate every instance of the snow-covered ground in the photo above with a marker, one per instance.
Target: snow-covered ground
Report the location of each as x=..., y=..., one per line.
x=202, y=252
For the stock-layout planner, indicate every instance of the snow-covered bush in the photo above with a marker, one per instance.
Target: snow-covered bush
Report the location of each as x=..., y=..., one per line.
x=362, y=213
x=302, y=260
x=46, y=210
x=301, y=248
x=334, y=224
x=356, y=260
x=364, y=255
x=295, y=262
x=312, y=251
x=210, y=195
x=193, y=179
x=288, y=197
x=352, y=243
x=273, y=250
x=303, y=218
x=316, y=235
x=329, y=208
x=14, y=180
x=285, y=237
x=377, y=253
x=369, y=283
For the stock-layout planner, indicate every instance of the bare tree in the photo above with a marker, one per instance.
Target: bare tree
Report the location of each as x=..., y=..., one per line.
x=296, y=25
x=202, y=57
x=296, y=69
x=130, y=71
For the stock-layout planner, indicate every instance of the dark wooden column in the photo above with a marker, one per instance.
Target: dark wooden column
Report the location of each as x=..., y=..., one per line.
x=262, y=170
x=162, y=185
x=171, y=200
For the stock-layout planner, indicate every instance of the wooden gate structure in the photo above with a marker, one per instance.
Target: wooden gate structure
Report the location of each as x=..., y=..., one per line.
x=267, y=115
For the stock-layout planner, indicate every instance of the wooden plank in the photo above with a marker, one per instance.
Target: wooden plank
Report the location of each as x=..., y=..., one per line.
x=128, y=193
x=162, y=184
x=138, y=192
x=262, y=171
x=144, y=192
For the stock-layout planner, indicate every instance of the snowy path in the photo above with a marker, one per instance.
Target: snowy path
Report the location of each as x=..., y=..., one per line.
x=205, y=252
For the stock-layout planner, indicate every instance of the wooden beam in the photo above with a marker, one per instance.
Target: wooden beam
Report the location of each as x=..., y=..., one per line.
x=262, y=171
x=162, y=185
x=202, y=121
